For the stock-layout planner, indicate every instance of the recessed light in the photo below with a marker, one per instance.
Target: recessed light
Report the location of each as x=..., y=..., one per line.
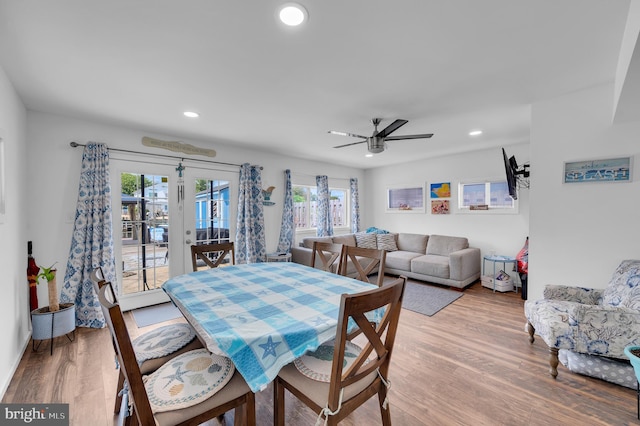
x=191, y=114
x=292, y=14
x=475, y=133
x=368, y=155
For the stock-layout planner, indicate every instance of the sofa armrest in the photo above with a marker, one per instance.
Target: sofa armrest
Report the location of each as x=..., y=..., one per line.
x=464, y=263
x=301, y=255
x=587, y=296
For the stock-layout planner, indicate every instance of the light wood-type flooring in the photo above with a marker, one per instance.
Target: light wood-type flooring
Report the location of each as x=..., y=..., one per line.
x=469, y=364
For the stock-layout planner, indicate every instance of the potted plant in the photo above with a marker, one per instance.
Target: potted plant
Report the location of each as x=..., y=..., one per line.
x=53, y=320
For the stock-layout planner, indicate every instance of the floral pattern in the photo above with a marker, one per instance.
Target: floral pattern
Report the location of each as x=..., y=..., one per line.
x=92, y=238
x=325, y=224
x=355, y=205
x=250, y=240
x=286, y=229
x=591, y=321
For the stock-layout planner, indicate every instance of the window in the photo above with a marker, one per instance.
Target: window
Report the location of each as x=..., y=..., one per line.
x=304, y=207
x=494, y=195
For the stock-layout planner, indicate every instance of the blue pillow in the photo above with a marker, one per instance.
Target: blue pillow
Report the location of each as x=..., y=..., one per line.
x=374, y=230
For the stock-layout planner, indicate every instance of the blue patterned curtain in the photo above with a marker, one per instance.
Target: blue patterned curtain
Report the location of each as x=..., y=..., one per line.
x=250, y=241
x=92, y=239
x=355, y=205
x=286, y=229
x=325, y=224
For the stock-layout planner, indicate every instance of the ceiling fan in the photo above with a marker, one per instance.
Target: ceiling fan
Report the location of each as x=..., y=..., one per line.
x=376, y=142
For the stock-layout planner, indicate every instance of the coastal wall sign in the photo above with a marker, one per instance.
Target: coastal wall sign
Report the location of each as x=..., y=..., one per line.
x=176, y=146
x=605, y=170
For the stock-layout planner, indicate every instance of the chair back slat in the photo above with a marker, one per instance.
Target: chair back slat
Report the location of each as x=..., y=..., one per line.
x=329, y=255
x=365, y=261
x=126, y=355
x=221, y=250
x=379, y=338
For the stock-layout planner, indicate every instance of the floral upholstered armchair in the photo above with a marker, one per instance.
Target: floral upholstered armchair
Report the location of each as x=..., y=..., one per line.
x=589, y=321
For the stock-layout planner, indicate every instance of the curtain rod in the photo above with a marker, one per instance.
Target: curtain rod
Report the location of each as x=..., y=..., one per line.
x=76, y=144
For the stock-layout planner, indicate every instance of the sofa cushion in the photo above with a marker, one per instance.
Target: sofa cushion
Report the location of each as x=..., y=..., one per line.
x=413, y=242
x=431, y=264
x=400, y=259
x=624, y=288
x=366, y=240
x=443, y=246
x=345, y=240
x=386, y=242
x=308, y=242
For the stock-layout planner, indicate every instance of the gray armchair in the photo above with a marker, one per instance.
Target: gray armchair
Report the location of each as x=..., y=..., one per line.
x=599, y=322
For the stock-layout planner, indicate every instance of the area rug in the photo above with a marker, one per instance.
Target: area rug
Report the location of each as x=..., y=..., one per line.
x=426, y=299
x=154, y=314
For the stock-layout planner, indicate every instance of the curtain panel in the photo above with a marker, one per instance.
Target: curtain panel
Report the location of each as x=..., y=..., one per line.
x=325, y=224
x=287, y=227
x=250, y=239
x=355, y=205
x=92, y=238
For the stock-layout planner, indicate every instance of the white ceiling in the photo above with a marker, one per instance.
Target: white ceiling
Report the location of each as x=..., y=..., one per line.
x=447, y=66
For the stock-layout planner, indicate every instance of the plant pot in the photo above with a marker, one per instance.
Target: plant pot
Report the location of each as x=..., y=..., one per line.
x=47, y=324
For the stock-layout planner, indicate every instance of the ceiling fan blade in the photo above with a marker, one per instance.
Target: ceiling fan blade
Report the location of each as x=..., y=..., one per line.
x=391, y=128
x=399, y=138
x=349, y=144
x=333, y=132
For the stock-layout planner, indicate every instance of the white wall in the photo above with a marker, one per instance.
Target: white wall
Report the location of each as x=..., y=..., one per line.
x=579, y=233
x=487, y=230
x=55, y=171
x=14, y=303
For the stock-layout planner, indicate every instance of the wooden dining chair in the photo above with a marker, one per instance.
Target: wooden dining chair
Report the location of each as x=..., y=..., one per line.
x=176, y=339
x=326, y=256
x=212, y=254
x=365, y=261
x=235, y=394
x=346, y=389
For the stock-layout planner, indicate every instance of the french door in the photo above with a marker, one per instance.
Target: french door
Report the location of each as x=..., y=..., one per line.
x=160, y=210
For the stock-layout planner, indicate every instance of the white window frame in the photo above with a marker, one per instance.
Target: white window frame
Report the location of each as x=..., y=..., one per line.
x=492, y=208
x=347, y=209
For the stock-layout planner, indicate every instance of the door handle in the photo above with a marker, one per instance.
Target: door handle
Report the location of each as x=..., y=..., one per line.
x=188, y=241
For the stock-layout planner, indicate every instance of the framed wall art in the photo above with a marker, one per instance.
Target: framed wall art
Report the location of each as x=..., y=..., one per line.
x=408, y=199
x=601, y=170
x=440, y=207
x=441, y=190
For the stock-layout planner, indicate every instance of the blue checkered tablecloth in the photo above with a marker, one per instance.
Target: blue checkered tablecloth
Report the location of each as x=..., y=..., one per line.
x=262, y=315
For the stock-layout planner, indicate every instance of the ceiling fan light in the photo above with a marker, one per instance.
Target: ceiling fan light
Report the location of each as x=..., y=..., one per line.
x=475, y=133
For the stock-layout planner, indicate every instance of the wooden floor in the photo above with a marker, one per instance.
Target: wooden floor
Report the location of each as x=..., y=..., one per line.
x=469, y=364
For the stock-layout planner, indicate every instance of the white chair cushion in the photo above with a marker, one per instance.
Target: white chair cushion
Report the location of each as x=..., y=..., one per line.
x=316, y=365
x=187, y=380
x=162, y=341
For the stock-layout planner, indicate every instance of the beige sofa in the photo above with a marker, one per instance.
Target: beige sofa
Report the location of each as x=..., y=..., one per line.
x=437, y=259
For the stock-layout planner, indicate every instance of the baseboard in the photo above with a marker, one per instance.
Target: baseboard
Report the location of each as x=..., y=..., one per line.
x=14, y=368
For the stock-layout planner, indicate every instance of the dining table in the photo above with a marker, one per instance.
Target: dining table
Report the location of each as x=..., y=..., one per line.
x=263, y=315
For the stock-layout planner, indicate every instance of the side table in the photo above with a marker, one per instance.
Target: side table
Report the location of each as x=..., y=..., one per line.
x=500, y=259
x=278, y=257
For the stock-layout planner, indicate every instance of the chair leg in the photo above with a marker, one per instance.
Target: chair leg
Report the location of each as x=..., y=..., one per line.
x=531, y=331
x=384, y=412
x=553, y=362
x=116, y=408
x=278, y=403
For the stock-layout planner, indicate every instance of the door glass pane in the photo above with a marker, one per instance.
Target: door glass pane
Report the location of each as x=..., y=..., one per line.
x=145, y=230
x=212, y=212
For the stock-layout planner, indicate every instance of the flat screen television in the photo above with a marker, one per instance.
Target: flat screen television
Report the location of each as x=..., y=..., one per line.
x=511, y=167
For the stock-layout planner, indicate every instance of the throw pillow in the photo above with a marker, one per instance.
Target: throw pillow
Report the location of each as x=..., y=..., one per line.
x=387, y=242
x=366, y=240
